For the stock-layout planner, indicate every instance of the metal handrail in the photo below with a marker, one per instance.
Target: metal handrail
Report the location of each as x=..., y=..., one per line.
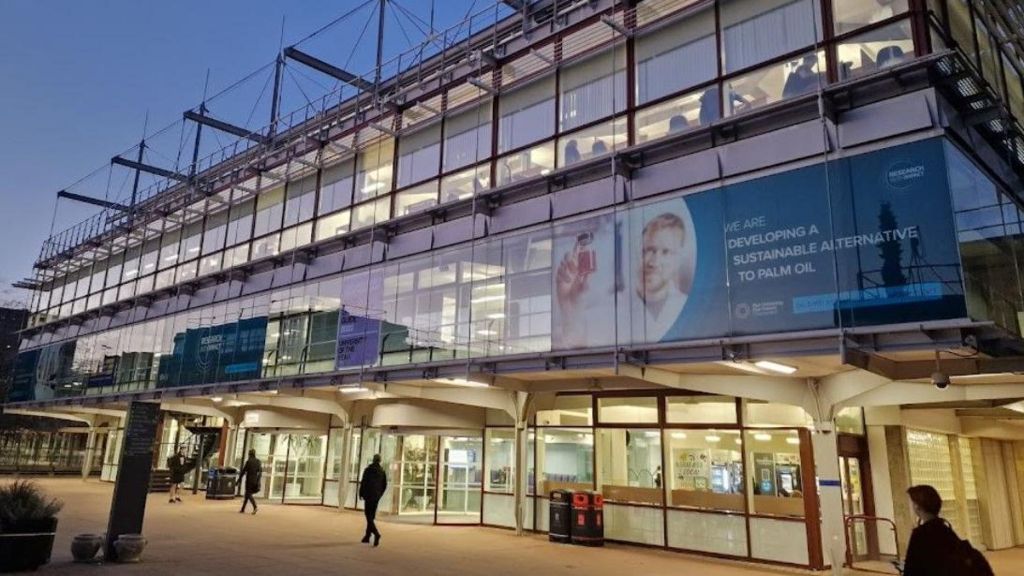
x=850, y=520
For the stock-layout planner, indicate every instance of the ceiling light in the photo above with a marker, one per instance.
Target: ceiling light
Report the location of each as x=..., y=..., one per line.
x=713, y=439
x=461, y=382
x=492, y=298
x=762, y=437
x=351, y=389
x=794, y=441
x=679, y=435
x=775, y=367
x=737, y=365
x=496, y=316
x=216, y=398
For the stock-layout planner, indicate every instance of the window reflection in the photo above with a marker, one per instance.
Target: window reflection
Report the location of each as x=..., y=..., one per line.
x=536, y=161
x=375, y=162
x=774, y=83
x=776, y=482
x=629, y=465
x=592, y=142
x=592, y=89
x=753, y=32
x=416, y=199
x=678, y=55
x=527, y=115
x=849, y=15
x=465, y=184
x=704, y=469
x=875, y=50
x=566, y=459
x=332, y=225
x=674, y=116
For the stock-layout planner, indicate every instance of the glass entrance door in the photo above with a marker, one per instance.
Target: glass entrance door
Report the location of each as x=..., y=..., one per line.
x=417, y=477
x=853, y=504
x=461, y=478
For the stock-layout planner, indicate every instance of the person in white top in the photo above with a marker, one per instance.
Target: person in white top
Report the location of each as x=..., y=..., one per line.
x=660, y=274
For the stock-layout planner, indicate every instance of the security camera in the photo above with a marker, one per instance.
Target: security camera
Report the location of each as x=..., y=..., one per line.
x=940, y=380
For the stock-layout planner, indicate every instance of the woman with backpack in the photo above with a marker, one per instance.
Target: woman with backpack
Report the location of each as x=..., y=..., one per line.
x=935, y=549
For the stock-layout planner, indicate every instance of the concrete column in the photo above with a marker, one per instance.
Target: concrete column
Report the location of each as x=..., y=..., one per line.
x=346, y=449
x=90, y=449
x=518, y=486
x=899, y=481
x=830, y=490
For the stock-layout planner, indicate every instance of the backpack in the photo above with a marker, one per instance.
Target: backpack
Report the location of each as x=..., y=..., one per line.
x=966, y=560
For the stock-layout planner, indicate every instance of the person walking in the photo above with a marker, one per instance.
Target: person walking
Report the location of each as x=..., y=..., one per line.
x=371, y=488
x=934, y=548
x=252, y=471
x=176, y=465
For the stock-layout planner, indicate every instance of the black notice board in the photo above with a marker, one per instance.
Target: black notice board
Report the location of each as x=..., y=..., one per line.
x=132, y=486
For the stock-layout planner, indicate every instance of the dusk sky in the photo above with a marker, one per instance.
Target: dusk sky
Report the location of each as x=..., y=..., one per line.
x=78, y=79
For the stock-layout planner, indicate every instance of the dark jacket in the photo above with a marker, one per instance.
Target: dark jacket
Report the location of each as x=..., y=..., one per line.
x=176, y=464
x=252, y=470
x=374, y=483
x=929, y=548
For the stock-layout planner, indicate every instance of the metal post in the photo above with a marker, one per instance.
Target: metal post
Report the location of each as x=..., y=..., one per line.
x=90, y=449
x=195, y=149
x=135, y=184
x=199, y=464
x=380, y=50
x=275, y=101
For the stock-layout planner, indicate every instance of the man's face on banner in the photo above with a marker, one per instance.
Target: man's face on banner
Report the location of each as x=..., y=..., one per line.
x=662, y=259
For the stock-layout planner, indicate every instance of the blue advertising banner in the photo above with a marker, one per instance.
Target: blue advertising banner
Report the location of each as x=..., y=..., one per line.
x=220, y=353
x=865, y=240
x=41, y=374
x=358, y=341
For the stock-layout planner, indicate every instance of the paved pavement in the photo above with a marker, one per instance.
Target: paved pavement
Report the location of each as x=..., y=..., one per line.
x=201, y=537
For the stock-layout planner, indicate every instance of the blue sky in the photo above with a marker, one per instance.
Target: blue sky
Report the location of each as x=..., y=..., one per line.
x=77, y=80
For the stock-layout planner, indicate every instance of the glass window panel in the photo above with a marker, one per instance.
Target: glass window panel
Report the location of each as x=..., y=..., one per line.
x=849, y=15
x=216, y=232
x=704, y=469
x=269, y=210
x=530, y=163
x=370, y=213
x=190, y=243
x=467, y=137
x=674, y=116
x=113, y=274
x=236, y=256
x=301, y=200
x=774, y=83
x=499, y=466
x=961, y=27
x=130, y=270
x=570, y=410
x=527, y=115
x=700, y=410
x=150, y=257
x=566, y=459
x=332, y=225
x=850, y=420
x=296, y=236
x=989, y=57
x=164, y=278
x=374, y=174
x=210, y=264
x=592, y=89
x=1014, y=90
x=678, y=55
x=634, y=410
x=336, y=187
x=416, y=199
x=875, y=50
x=758, y=413
x=776, y=481
x=240, y=223
x=269, y=245
x=753, y=32
x=186, y=271
x=930, y=462
x=629, y=465
x=592, y=142
x=145, y=284
x=419, y=155
x=466, y=183
x=169, y=249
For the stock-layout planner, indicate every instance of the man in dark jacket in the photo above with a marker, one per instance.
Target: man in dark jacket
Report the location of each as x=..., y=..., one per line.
x=372, y=487
x=252, y=471
x=176, y=465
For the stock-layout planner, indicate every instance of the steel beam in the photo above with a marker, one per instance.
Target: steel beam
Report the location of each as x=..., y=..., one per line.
x=225, y=127
x=93, y=201
x=328, y=69
x=147, y=168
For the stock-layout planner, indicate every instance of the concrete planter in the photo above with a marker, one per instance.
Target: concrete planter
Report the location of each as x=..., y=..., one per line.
x=85, y=546
x=129, y=547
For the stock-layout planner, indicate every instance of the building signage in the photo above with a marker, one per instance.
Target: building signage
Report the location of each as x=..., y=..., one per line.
x=863, y=240
x=358, y=340
x=220, y=353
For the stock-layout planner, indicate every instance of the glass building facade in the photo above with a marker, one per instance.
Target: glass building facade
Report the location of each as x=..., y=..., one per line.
x=636, y=186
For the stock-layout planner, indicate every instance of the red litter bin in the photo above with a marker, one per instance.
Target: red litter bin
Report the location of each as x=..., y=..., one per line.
x=588, y=519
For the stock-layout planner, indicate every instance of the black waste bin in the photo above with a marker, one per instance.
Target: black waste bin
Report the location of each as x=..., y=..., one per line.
x=560, y=516
x=588, y=519
x=220, y=483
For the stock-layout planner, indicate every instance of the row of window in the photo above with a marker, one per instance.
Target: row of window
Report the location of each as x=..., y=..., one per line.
x=673, y=54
